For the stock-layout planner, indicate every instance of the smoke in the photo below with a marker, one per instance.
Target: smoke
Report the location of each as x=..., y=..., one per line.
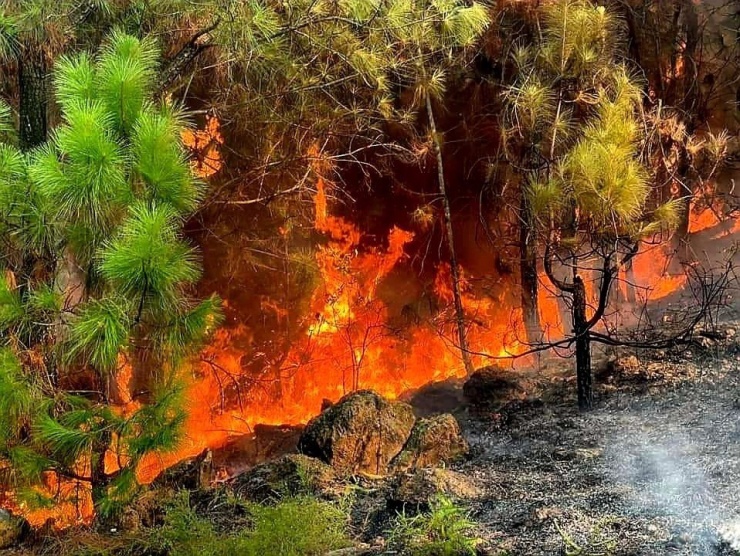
x=671, y=479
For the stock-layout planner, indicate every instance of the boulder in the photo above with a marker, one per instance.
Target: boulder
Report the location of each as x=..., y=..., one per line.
x=288, y=475
x=13, y=529
x=416, y=490
x=362, y=433
x=265, y=443
x=190, y=474
x=436, y=397
x=490, y=386
x=433, y=441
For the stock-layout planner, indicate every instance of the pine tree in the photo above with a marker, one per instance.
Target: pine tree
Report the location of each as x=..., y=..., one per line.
x=573, y=128
x=99, y=208
x=34, y=33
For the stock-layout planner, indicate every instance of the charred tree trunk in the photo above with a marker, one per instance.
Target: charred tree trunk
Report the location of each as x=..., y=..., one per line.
x=32, y=109
x=528, y=271
x=99, y=479
x=179, y=64
x=686, y=192
x=33, y=97
x=689, y=93
x=581, y=328
x=454, y=269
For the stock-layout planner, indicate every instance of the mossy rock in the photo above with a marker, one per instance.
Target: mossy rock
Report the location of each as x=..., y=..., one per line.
x=433, y=441
x=416, y=490
x=289, y=475
x=361, y=433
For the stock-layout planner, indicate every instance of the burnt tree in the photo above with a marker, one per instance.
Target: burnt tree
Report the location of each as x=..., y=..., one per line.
x=582, y=323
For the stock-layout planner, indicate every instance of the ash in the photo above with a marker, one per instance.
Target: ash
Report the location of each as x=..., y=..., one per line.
x=654, y=469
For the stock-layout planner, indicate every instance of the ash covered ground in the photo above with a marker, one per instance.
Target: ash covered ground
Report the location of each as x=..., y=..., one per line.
x=654, y=469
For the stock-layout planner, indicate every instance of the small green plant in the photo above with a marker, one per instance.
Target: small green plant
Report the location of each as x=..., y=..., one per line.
x=301, y=526
x=443, y=531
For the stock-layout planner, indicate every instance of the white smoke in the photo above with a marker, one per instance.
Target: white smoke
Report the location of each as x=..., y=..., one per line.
x=667, y=478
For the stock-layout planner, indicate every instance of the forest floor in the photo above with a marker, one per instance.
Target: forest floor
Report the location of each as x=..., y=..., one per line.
x=653, y=469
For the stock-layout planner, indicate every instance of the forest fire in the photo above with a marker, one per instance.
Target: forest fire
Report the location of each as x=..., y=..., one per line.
x=356, y=338
x=275, y=273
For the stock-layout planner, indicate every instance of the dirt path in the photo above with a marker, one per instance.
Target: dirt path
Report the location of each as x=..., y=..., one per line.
x=653, y=470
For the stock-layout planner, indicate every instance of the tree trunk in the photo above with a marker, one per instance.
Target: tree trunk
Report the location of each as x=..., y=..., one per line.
x=528, y=271
x=686, y=192
x=32, y=129
x=583, y=346
x=99, y=479
x=454, y=269
x=33, y=97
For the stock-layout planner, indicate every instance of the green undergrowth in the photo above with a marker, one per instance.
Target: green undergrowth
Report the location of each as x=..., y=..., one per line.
x=445, y=530
x=218, y=524
x=300, y=526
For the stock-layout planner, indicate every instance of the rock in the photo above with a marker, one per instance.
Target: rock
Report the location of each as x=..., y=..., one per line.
x=730, y=333
x=362, y=432
x=267, y=442
x=433, y=441
x=489, y=386
x=289, y=475
x=626, y=365
x=191, y=474
x=436, y=397
x=416, y=490
x=13, y=529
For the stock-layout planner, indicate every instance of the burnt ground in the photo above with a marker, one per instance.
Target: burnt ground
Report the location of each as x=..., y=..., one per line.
x=653, y=469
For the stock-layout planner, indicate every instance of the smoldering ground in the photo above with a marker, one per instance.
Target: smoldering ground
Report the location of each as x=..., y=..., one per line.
x=655, y=469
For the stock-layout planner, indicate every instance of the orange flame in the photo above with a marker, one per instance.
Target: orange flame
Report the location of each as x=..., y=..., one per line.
x=358, y=335
x=205, y=147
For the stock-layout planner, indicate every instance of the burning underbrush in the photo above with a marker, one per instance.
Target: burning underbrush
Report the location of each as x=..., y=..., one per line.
x=365, y=313
x=654, y=469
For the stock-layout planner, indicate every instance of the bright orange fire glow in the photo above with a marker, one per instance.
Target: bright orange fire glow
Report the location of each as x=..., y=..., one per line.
x=66, y=503
x=205, y=147
x=351, y=341
x=702, y=221
x=358, y=334
x=653, y=275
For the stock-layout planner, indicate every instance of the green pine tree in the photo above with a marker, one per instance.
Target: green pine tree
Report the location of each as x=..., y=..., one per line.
x=98, y=209
x=573, y=129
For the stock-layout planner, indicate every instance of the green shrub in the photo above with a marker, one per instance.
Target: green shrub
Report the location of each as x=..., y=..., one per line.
x=301, y=526
x=443, y=531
